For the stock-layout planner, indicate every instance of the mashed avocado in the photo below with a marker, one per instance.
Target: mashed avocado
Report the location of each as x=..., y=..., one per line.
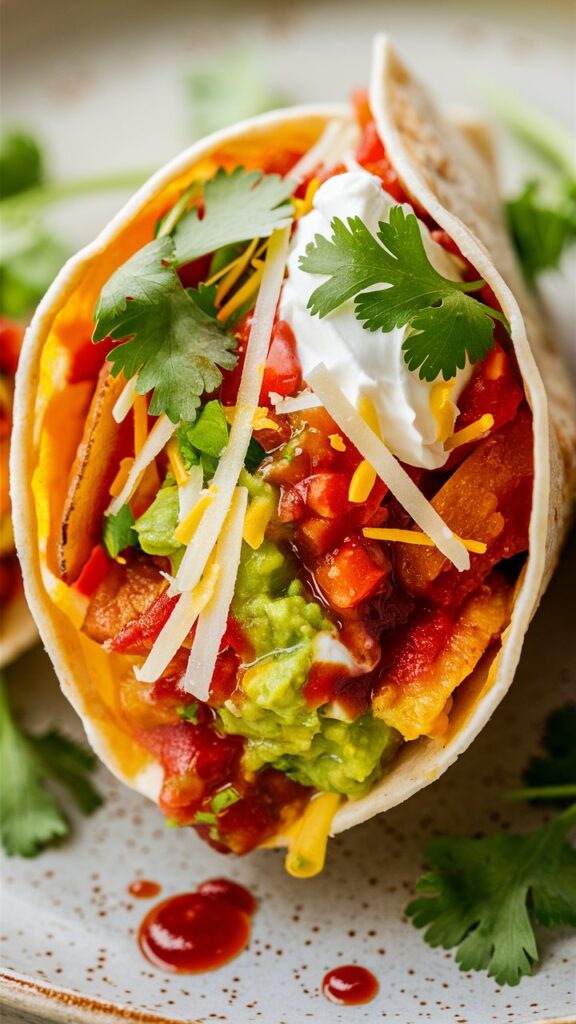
x=155, y=528
x=281, y=729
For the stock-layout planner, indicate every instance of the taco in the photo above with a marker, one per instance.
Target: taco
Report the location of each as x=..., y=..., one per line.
x=17, y=629
x=293, y=463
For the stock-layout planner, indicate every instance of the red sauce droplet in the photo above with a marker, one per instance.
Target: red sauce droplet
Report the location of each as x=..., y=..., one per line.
x=350, y=985
x=142, y=889
x=232, y=893
x=198, y=931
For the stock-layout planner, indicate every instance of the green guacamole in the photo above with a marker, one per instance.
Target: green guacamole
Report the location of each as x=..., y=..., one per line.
x=344, y=757
x=281, y=624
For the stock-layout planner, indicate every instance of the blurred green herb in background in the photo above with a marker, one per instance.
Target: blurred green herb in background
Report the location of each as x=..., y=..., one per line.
x=542, y=218
x=229, y=88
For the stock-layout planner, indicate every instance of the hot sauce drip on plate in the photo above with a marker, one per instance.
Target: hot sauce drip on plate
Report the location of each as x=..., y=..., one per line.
x=198, y=931
x=350, y=985
x=142, y=889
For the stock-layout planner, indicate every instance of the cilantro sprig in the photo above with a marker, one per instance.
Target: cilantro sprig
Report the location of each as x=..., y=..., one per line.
x=483, y=895
x=447, y=325
x=32, y=817
x=169, y=336
x=478, y=897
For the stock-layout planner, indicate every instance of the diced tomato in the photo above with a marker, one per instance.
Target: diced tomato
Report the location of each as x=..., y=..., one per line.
x=192, y=273
x=291, y=504
x=322, y=683
x=493, y=388
x=351, y=573
x=93, y=572
x=315, y=536
x=327, y=494
x=372, y=156
x=283, y=372
x=224, y=679
x=138, y=635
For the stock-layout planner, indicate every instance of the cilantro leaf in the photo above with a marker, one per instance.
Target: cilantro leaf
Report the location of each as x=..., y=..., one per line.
x=174, y=347
x=118, y=532
x=540, y=232
x=238, y=205
x=205, y=298
x=558, y=765
x=21, y=163
x=204, y=440
x=478, y=897
x=254, y=455
x=447, y=324
x=224, y=798
x=189, y=712
x=31, y=817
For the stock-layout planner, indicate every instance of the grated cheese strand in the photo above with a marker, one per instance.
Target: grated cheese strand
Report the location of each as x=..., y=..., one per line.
x=307, y=849
x=387, y=467
x=125, y=400
x=157, y=439
x=336, y=139
x=214, y=617
x=176, y=463
x=470, y=433
x=189, y=493
x=478, y=547
x=232, y=459
x=176, y=629
x=299, y=403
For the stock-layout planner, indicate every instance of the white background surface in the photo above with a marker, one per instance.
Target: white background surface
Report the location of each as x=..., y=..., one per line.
x=102, y=83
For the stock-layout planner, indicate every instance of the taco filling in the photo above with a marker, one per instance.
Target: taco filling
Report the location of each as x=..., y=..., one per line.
x=300, y=504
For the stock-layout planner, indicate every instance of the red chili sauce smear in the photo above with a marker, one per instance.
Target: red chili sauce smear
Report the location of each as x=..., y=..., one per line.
x=142, y=889
x=198, y=931
x=350, y=985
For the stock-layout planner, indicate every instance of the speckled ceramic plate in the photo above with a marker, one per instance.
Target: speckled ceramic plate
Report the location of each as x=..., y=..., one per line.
x=107, y=94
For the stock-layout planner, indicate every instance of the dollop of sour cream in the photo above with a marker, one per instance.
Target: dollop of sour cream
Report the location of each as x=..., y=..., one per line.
x=368, y=364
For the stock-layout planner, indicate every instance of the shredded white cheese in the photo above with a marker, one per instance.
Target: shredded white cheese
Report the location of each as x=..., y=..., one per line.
x=157, y=439
x=212, y=621
x=337, y=139
x=232, y=459
x=387, y=467
x=189, y=493
x=125, y=400
x=305, y=400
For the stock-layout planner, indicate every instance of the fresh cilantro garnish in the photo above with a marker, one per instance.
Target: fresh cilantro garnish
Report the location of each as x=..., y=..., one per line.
x=31, y=817
x=205, y=298
x=552, y=777
x=174, y=347
x=446, y=324
x=119, y=532
x=238, y=205
x=189, y=712
x=223, y=799
x=204, y=818
x=204, y=440
x=169, y=335
x=540, y=232
x=21, y=162
x=484, y=895
x=254, y=455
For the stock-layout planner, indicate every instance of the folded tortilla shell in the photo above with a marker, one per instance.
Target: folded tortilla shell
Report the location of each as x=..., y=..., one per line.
x=446, y=166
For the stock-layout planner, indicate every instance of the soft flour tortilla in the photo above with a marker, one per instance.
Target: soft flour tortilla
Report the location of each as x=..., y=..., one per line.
x=446, y=167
